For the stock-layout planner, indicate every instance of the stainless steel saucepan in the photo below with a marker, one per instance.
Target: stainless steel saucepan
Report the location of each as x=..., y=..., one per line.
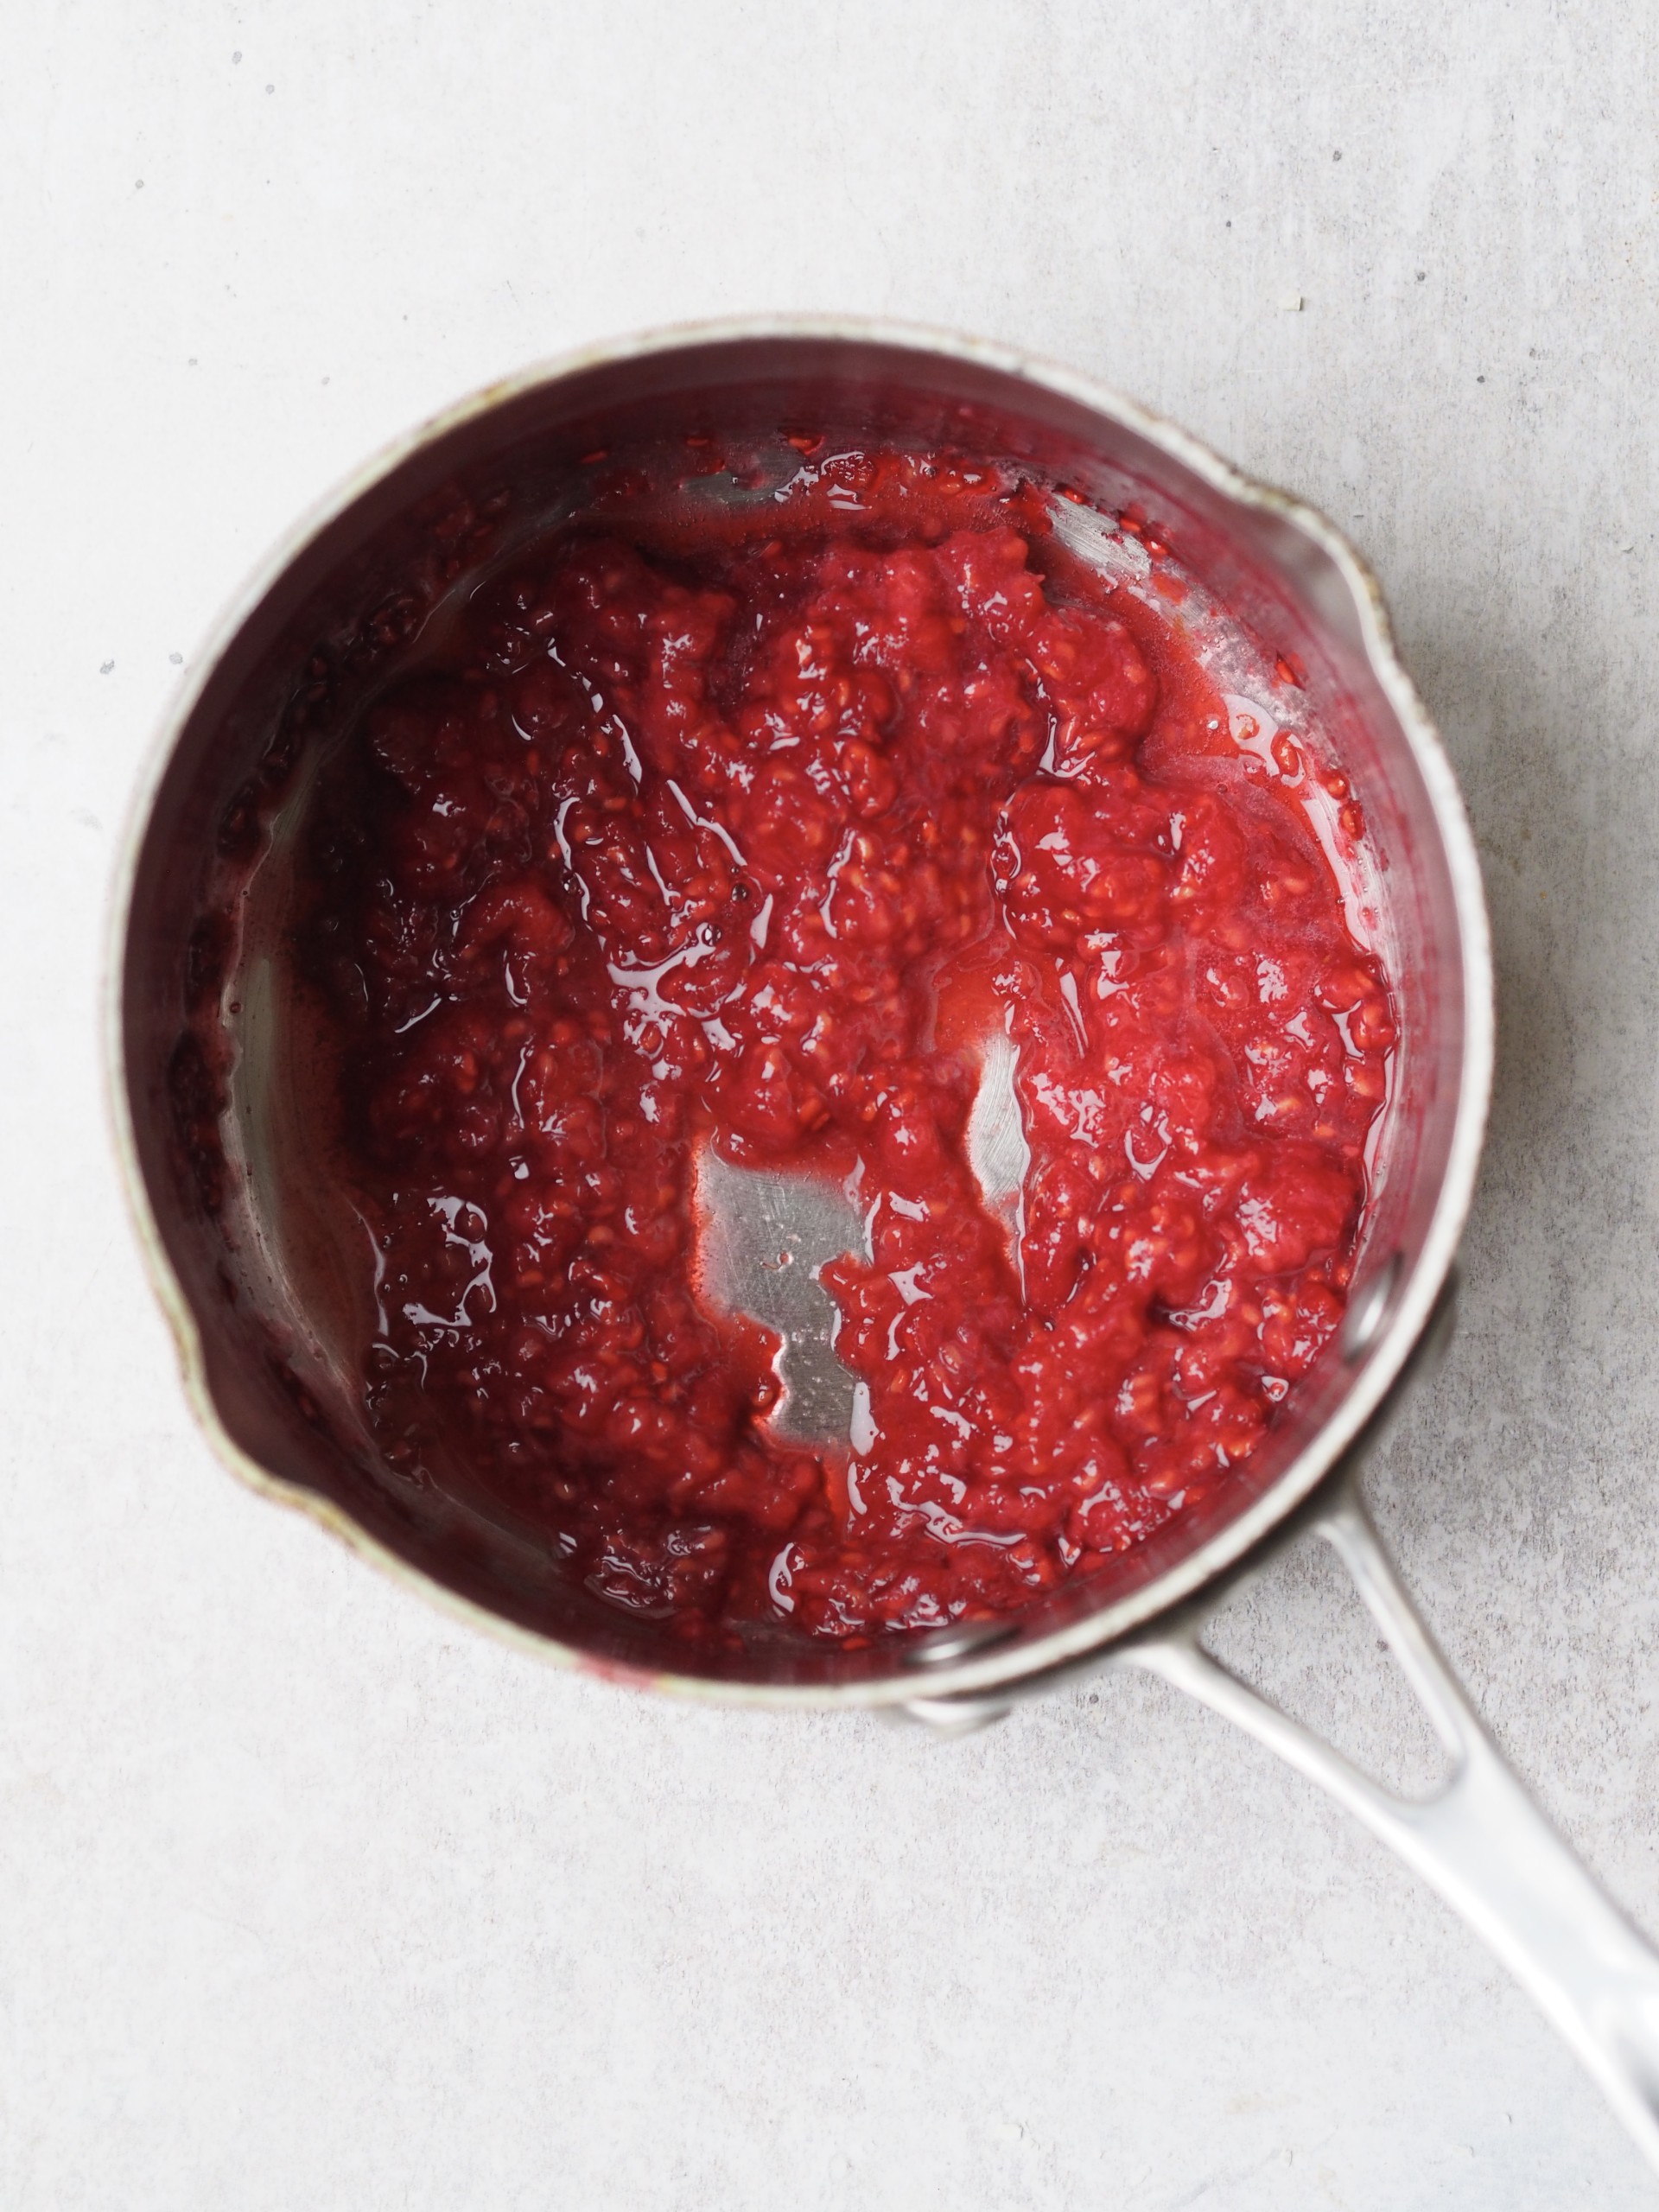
x=243, y=1245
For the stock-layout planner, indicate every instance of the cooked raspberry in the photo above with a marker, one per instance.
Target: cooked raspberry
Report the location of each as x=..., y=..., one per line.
x=751, y=848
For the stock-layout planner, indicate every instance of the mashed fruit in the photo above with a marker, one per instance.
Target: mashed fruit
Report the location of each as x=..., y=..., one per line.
x=774, y=853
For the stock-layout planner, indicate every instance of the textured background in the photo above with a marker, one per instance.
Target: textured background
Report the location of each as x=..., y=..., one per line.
x=308, y=1898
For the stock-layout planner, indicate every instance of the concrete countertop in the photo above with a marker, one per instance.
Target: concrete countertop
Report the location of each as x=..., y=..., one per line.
x=309, y=1898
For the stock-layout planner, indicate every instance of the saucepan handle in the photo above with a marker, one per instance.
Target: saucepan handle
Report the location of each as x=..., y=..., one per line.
x=1479, y=1840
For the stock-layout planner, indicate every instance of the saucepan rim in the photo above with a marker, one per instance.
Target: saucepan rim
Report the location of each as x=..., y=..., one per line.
x=1415, y=1299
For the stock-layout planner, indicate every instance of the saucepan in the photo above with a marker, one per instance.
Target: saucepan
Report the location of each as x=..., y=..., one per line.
x=210, y=1075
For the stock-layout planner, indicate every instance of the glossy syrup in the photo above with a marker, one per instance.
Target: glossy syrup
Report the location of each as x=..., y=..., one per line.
x=781, y=856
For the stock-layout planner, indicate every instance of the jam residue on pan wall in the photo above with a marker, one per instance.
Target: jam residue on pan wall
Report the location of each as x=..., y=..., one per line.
x=771, y=851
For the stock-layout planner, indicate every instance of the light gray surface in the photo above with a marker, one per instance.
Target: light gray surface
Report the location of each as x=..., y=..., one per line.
x=308, y=1898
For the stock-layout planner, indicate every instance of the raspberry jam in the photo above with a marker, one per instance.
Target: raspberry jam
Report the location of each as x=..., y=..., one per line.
x=676, y=859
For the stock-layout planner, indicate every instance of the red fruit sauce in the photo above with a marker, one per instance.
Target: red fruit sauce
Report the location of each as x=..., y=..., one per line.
x=681, y=842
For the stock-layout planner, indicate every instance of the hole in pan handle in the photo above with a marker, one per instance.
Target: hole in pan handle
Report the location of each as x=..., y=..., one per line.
x=1478, y=1839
